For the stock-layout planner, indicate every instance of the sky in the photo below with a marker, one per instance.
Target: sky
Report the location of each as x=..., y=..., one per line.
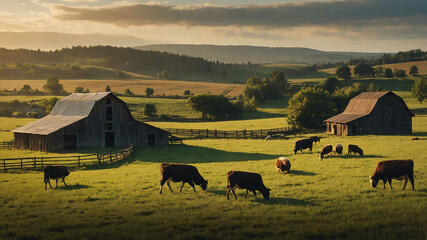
x=345, y=25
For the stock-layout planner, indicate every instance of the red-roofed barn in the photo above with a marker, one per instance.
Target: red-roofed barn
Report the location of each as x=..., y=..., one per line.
x=372, y=113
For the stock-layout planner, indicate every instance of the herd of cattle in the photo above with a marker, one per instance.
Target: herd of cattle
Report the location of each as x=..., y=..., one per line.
x=385, y=171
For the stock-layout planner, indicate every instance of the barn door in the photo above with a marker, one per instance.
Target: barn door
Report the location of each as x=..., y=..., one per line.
x=151, y=139
x=335, y=130
x=109, y=139
x=70, y=141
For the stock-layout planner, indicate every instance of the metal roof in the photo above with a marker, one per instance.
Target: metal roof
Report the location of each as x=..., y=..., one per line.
x=66, y=111
x=360, y=106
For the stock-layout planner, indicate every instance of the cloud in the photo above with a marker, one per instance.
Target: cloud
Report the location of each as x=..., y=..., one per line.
x=353, y=14
x=74, y=1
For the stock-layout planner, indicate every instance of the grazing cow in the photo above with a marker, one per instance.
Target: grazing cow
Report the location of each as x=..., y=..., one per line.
x=415, y=138
x=282, y=136
x=327, y=149
x=355, y=149
x=181, y=173
x=267, y=138
x=303, y=144
x=31, y=114
x=393, y=169
x=246, y=180
x=283, y=165
x=339, y=148
x=315, y=139
x=54, y=172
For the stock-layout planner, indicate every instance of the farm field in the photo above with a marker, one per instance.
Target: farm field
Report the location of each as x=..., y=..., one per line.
x=422, y=67
x=318, y=199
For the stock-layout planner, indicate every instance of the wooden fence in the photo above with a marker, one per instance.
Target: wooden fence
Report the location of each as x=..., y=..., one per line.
x=6, y=145
x=34, y=163
x=206, y=133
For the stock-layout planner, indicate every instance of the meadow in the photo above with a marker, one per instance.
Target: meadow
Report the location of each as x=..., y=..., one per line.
x=422, y=67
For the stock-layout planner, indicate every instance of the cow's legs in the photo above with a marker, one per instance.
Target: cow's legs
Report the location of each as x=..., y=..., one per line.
x=169, y=185
x=389, y=181
x=63, y=180
x=246, y=193
x=234, y=193
x=182, y=186
x=192, y=184
x=57, y=183
x=412, y=182
x=162, y=182
x=384, y=181
x=404, y=185
x=254, y=194
x=228, y=192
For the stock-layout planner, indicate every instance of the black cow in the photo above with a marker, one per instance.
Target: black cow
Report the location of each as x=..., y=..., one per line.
x=303, y=144
x=355, y=149
x=181, y=173
x=393, y=169
x=315, y=139
x=246, y=180
x=55, y=172
x=339, y=148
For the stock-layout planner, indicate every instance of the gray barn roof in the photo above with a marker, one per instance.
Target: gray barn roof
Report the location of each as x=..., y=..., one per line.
x=360, y=106
x=66, y=111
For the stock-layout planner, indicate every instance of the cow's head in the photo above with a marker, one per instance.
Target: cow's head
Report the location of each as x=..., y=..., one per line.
x=266, y=193
x=204, y=185
x=66, y=172
x=320, y=157
x=295, y=151
x=373, y=181
x=361, y=152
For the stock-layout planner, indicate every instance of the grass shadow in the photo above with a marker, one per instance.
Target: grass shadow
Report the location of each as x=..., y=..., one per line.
x=286, y=201
x=74, y=187
x=302, y=173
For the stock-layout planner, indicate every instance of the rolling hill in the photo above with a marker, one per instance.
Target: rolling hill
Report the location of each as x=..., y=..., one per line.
x=255, y=54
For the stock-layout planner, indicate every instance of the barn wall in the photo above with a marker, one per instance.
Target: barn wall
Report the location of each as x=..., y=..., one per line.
x=31, y=142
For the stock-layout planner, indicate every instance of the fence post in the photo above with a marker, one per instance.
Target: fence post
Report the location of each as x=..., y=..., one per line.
x=215, y=133
x=21, y=164
x=42, y=162
x=261, y=134
x=99, y=158
x=78, y=161
x=207, y=133
x=111, y=159
x=35, y=162
x=4, y=164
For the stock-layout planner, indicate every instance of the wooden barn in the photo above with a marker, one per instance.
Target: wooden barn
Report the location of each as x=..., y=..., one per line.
x=372, y=113
x=88, y=120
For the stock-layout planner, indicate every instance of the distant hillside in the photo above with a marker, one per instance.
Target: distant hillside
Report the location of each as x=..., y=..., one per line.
x=244, y=54
x=422, y=67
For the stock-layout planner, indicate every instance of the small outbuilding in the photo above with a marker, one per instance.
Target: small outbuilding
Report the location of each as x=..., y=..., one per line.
x=372, y=113
x=88, y=120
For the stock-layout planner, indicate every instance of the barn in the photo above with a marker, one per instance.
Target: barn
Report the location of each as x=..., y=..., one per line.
x=88, y=120
x=372, y=113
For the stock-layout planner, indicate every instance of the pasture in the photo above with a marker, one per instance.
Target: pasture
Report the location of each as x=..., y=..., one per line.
x=319, y=199
x=422, y=67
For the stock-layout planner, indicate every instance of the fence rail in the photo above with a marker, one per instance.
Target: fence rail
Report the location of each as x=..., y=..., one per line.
x=34, y=163
x=206, y=133
x=6, y=145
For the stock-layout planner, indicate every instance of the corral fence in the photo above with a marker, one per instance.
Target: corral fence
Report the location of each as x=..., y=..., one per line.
x=35, y=163
x=6, y=145
x=254, y=134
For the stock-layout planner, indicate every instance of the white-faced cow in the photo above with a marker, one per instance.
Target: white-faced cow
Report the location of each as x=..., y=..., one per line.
x=246, y=180
x=327, y=149
x=355, y=149
x=283, y=165
x=393, y=169
x=181, y=173
x=303, y=144
x=339, y=148
x=315, y=139
x=54, y=172
x=268, y=137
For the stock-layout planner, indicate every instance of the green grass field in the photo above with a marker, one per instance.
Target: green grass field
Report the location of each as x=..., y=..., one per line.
x=331, y=199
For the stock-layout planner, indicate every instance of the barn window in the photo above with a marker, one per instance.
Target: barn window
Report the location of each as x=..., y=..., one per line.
x=108, y=101
x=109, y=113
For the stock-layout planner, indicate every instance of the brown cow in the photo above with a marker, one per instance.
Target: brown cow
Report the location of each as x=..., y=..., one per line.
x=355, y=149
x=303, y=144
x=54, y=172
x=415, y=138
x=181, y=173
x=393, y=169
x=246, y=180
x=315, y=139
x=283, y=165
x=327, y=149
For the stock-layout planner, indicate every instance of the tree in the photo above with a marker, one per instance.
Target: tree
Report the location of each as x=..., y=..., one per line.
x=150, y=110
x=48, y=104
x=399, y=73
x=79, y=90
x=149, y=91
x=388, y=73
x=413, y=70
x=128, y=92
x=213, y=107
x=53, y=86
x=330, y=84
x=309, y=107
x=379, y=71
x=107, y=88
x=343, y=72
x=279, y=84
x=363, y=70
x=26, y=88
x=419, y=89
x=187, y=92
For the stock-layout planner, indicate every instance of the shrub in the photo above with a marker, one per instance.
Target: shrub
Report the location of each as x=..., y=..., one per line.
x=150, y=110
